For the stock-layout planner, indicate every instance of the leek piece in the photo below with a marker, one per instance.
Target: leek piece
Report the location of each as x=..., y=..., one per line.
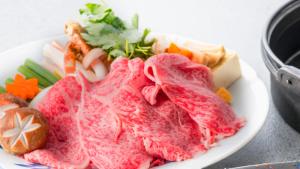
x=28, y=73
x=9, y=80
x=2, y=90
x=41, y=71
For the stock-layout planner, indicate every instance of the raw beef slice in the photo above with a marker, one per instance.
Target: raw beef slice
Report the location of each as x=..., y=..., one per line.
x=133, y=121
x=189, y=85
x=63, y=149
x=104, y=136
x=166, y=130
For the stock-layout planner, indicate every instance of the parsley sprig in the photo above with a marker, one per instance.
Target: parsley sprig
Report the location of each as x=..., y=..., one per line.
x=106, y=30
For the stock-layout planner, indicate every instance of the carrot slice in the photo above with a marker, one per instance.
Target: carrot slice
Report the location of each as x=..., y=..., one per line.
x=224, y=94
x=186, y=53
x=173, y=48
x=26, y=89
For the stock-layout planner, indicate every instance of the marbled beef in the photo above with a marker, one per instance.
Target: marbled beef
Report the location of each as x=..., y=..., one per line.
x=189, y=86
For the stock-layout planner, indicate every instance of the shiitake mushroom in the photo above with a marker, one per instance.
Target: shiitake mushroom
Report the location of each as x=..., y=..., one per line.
x=22, y=129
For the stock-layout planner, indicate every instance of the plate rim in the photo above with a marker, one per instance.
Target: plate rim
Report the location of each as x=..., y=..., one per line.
x=260, y=126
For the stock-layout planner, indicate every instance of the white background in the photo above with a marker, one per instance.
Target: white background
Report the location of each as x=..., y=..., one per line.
x=237, y=24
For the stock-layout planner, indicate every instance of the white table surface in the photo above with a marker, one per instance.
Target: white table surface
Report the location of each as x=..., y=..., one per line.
x=235, y=23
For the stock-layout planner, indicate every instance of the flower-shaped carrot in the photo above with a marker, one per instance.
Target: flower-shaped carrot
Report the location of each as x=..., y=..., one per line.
x=23, y=88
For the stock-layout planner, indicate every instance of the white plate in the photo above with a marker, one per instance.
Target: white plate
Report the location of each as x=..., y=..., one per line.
x=250, y=101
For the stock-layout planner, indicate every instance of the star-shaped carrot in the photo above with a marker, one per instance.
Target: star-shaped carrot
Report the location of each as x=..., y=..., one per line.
x=23, y=88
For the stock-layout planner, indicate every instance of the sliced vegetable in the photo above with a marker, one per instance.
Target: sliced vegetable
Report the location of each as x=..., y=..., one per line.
x=28, y=73
x=51, y=67
x=224, y=94
x=99, y=69
x=186, y=53
x=173, y=48
x=23, y=88
x=57, y=74
x=41, y=71
x=2, y=89
x=9, y=80
x=88, y=74
x=58, y=46
x=54, y=55
x=96, y=53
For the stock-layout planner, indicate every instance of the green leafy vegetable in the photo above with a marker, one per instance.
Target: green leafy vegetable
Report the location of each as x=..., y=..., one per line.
x=97, y=13
x=91, y=8
x=135, y=21
x=106, y=30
